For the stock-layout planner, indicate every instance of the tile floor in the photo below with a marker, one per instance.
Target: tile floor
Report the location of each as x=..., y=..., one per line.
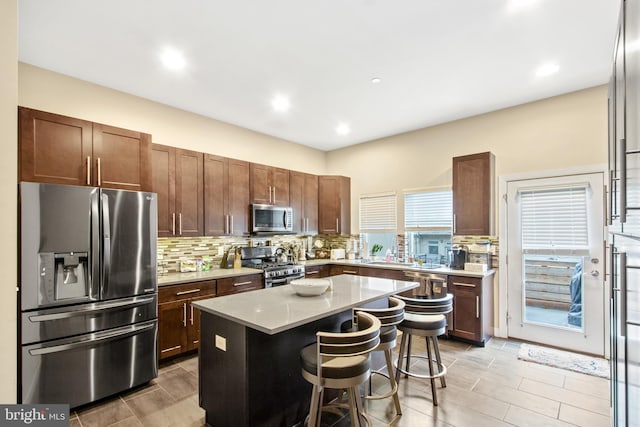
x=485, y=387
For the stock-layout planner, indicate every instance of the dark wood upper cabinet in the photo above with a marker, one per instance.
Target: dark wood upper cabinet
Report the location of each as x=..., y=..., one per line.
x=65, y=150
x=303, y=197
x=122, y=158
x=334, y=204
x=163, y=166
x=54, y=148
x=178, y=179
x=269, y=185
x=473, y=194
x=189, y=193
x=226, y=196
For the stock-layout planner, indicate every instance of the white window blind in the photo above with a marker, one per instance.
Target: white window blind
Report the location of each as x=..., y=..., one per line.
x=378, y=213
x=431, y=210
x=554, y=218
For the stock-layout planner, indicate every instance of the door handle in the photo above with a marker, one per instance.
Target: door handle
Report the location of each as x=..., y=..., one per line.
x=184, y=314
x=99, y=174
x=88, y=170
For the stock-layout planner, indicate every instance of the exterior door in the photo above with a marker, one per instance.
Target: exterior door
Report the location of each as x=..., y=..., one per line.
x=555, y=261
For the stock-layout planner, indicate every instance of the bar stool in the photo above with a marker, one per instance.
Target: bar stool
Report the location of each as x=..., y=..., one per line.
x=389, y=318
x=424, y=317
x=341, y=361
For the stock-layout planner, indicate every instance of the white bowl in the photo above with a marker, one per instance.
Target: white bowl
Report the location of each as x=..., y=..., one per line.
x=310, y=287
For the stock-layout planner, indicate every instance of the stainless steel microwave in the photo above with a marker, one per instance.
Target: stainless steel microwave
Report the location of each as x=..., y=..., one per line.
x=271, y=219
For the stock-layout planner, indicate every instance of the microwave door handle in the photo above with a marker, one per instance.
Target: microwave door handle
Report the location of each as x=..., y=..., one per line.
x=94, y=260
x=284, y=218
x=106, y=244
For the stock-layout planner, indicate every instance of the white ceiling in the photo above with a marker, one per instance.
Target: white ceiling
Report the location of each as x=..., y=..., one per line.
x=439, y=60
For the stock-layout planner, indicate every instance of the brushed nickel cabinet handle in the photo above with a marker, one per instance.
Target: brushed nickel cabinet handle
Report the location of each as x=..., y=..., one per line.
x=170, y=348
x=184, y=314
x=191, y=314
x=337, y=225
x=274, y=194
x=466, y=285
x=180, y=223
x=99, y=174
x=349, y=272
x=231, y=226
x=309, y=273
x=191, y=291
x=173, y=223
x=477, y=307
x=242, y=283
x=88, y=170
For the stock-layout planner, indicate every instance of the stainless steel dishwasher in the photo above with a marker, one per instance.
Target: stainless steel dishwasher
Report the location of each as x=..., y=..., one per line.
x=432, y=285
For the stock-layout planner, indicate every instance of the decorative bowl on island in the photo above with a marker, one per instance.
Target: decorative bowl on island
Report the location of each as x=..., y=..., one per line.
x=310, y=287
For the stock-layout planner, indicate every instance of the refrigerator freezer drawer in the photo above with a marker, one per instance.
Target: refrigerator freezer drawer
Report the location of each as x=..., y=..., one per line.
x=55, y=323
x=83, y=369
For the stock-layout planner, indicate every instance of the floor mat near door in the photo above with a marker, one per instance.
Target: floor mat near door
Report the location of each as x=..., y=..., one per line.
x=589, y=365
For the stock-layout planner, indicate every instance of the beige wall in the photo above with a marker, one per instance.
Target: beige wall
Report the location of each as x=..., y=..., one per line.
x=57, y=93
x=9, y=196
x=561, y=132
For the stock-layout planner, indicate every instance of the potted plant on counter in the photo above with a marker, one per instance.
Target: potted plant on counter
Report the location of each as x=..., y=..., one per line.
x=375, y=249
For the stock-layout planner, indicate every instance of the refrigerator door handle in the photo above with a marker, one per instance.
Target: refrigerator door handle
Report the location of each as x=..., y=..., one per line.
x=106, y=243
x=623, y=294
x=94, y=288
x=130, y=303
x=95, y=339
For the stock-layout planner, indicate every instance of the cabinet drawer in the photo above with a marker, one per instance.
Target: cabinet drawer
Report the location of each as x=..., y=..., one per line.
x=317, y=271
x=470, y=283
x=232, y=285
x=187, y=290
x=344, y=269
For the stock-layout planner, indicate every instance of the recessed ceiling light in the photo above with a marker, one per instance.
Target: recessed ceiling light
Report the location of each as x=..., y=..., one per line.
x=280, y=103
x=343, y=129
x=376, y=80
x=172, y=59
x=521, y=5
x=547, y=69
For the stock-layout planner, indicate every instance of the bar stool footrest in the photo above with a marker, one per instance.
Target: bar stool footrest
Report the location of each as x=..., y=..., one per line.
x=441, y=368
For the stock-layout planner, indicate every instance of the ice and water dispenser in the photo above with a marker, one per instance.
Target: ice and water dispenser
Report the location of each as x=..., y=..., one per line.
x=64, y=277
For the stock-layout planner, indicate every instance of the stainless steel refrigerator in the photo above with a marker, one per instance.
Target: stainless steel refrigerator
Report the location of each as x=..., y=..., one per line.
x=624, y=218
x=88, y=292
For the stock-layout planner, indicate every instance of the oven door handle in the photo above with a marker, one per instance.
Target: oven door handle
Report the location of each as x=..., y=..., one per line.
x=278, y=281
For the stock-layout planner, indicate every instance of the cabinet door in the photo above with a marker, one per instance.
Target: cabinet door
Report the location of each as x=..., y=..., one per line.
x=311, y=203
x=467, y=321
x=334, y=201
x=260, y=184
x=216, y=190
x=193, y=324
x=296, y=200
x=473, y=182
x=172, y=332
x=232, y=285
x=280, y=186
x=343, y=269
x=189, y=193
x=122, y=158
x=239, y=196
x=163, y=166
x=53, y=148
x=317, y=271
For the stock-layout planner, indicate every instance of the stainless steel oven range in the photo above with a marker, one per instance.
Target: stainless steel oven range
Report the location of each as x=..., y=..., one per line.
x=277, y=271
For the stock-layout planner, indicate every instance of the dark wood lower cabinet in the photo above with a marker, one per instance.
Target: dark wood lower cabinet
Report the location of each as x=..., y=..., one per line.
x=233, y=285
x=316, y=271
x=178, y=320
x=472, y=308
x=343, y=269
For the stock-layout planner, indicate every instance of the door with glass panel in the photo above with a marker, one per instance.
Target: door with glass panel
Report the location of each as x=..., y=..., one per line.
x=555, y=261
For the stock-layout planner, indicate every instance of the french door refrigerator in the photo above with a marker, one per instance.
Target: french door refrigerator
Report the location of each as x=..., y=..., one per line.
x=624, y=218
x=88, y=292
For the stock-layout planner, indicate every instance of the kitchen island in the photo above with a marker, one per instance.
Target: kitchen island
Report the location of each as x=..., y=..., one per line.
x=249, y=370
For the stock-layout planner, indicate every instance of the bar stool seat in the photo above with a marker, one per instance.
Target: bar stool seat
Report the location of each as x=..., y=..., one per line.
x=389, y=318
x=424, y=317
x=340, y=361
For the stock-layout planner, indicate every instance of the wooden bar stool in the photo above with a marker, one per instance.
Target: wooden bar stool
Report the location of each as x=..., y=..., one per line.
x=424, y=317
x=341, y=360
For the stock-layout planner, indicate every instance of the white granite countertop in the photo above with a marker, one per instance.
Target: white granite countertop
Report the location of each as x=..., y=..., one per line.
x=399, y=266
x=278, y=309
x=216, y=273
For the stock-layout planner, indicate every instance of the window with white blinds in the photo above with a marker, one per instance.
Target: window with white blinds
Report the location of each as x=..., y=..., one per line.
x=378, y=213
x=554, y=218
x=430, y=210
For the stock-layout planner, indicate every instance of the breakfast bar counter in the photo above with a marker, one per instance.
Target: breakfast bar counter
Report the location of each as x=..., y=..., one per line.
x=249, y=370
